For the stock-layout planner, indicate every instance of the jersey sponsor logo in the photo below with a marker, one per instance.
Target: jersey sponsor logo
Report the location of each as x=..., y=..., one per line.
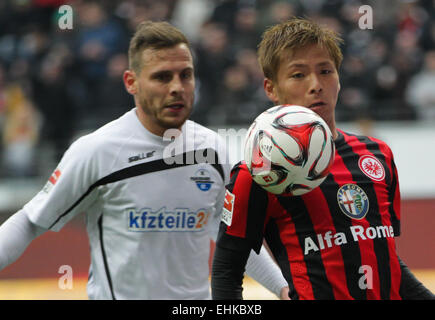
x=357, y=233
x=353, y=201
x=371, y=167
x=202, y=180
x=141, y=156
x=227, y=211
x=52, y=181
x=181, y=219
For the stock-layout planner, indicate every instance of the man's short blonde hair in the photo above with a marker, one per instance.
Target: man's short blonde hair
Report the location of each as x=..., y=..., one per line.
x=154, y=35
x=294, y=34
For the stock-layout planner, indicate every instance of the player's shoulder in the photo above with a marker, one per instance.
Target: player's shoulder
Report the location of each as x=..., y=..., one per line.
x=240, y=166
x=204, y=138
x=241, y=171
x=199, y=130
x=103, y=140
x=366, y=139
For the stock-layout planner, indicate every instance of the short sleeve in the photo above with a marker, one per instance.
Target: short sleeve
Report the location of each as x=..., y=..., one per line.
x=68, y=190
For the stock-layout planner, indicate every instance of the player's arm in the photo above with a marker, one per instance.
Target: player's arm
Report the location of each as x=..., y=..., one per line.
x=263, y=269
x=244, y=201
x=229, y=265
x=259, y=267
x=54, y=205
x=411, y=288
x=228, y=270
x=16, y=233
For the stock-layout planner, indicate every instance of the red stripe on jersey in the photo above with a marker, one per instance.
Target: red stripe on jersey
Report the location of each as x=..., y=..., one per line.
x=335, y=272
x=241, y=203
x=298, y=268
x=365, y=246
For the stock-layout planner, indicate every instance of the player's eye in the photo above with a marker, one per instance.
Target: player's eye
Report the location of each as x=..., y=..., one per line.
x=297, y=75
x=163, y=76
x=325, y=71
x=187, y=74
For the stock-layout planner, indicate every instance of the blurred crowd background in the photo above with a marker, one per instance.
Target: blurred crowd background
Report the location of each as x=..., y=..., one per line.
x=56, y=84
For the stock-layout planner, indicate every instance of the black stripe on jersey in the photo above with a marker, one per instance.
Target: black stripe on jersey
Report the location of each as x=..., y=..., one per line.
x=103, y=252
x=322, y=289
x=280, y=253
x=234, y=173
x=181, y=160
x=373, y=216
x=257, y=210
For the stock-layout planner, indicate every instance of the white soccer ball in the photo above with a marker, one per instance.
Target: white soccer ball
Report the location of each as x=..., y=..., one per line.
x=289, y=150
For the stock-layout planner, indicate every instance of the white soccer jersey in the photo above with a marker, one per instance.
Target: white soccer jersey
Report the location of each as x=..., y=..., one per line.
x=149, y=216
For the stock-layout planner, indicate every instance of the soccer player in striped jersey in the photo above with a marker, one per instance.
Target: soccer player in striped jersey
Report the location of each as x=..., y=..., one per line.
x=151, y=184
x=337, y=241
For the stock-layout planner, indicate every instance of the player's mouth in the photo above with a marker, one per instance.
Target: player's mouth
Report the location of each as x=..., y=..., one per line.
x=175, y=106
x=317, y=104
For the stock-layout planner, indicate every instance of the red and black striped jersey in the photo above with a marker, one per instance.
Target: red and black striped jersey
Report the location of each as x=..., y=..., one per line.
x=335, y=242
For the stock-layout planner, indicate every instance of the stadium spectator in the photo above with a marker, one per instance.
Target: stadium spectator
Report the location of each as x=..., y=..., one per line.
x=113, y=100
x=54, y=101
x=19, y=129
x=237, y=103
x=213, y=56
x=421, y=92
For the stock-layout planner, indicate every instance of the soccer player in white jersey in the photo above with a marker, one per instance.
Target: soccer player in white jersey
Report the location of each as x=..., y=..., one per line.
x=151, y=183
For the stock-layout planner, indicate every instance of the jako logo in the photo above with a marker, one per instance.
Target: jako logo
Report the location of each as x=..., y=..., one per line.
x=181, y=219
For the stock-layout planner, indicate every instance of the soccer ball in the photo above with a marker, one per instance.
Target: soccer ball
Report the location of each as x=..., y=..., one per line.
x=289, y=150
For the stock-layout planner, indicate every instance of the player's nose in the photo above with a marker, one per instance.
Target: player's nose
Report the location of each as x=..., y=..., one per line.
x=176, y=86
x=315, y=85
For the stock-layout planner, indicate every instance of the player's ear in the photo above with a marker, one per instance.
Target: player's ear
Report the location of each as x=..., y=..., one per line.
x=270, y=89
x=130, y=81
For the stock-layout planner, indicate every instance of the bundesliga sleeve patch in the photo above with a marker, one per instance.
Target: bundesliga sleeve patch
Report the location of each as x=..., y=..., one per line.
x=227, y=211
x=52, y=181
